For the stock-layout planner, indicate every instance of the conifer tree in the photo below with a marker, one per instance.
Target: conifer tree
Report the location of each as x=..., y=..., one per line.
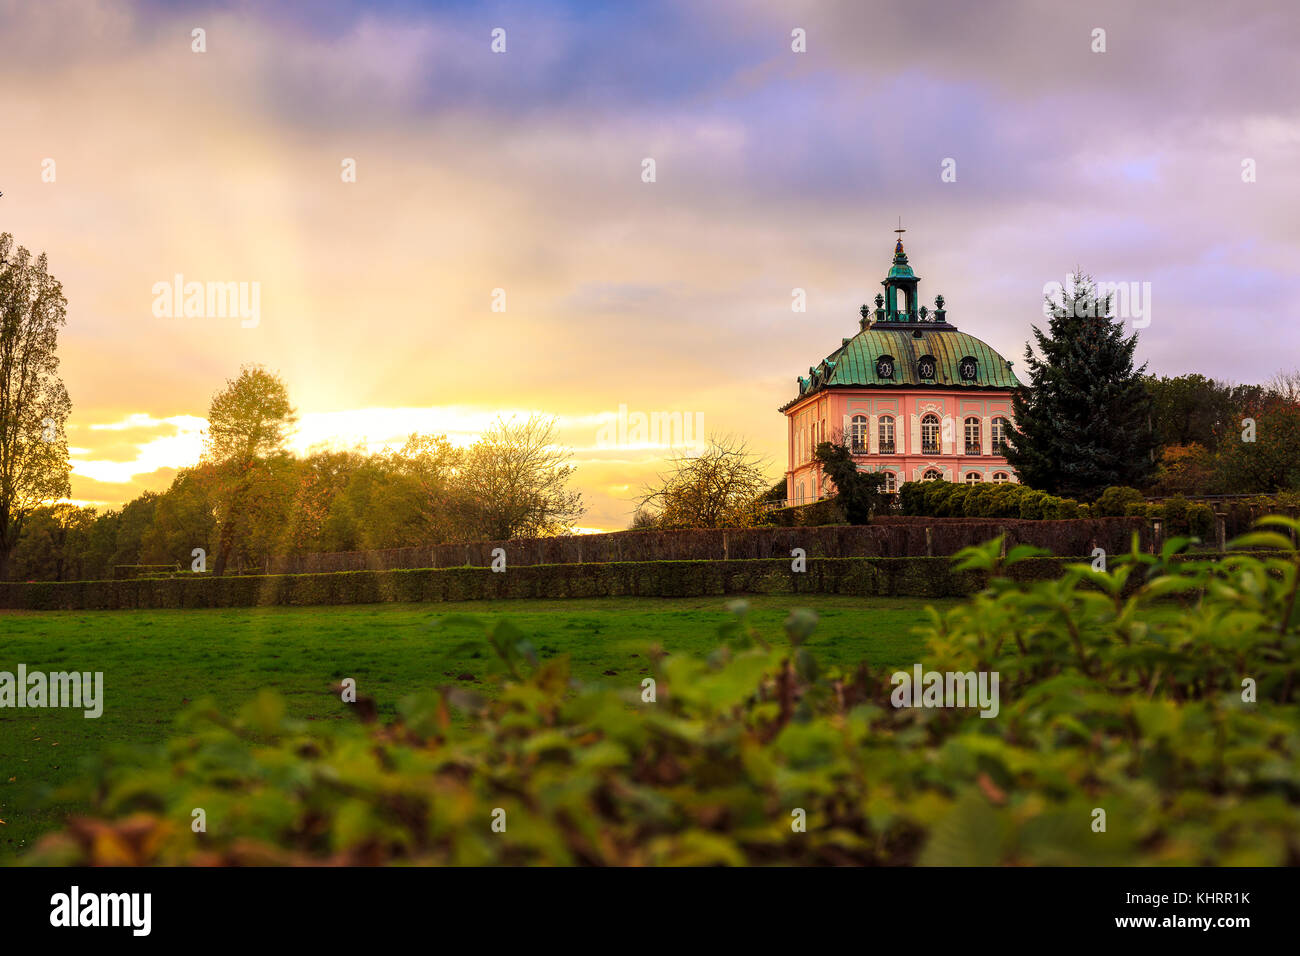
x=1083, y=423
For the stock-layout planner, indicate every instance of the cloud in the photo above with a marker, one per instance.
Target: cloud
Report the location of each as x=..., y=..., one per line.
x=522, y=172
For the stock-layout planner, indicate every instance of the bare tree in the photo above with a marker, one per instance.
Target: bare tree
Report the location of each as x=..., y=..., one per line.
x=34, y=404
x=1285, y=385
x=515, y=479
x=719, y=488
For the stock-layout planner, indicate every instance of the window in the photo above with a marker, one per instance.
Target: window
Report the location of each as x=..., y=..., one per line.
x=999, y=435
x=973, y=478
x=886, y=435
x=931, y=475
x=858, y=433
x=972, y=436
x=967, y=369
x=1000, y=478
x=891, y=483
x=926, y=366
x=885, y=366
x=930, y=434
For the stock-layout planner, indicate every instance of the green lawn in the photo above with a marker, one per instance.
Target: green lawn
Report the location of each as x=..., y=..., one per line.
x=155, y=661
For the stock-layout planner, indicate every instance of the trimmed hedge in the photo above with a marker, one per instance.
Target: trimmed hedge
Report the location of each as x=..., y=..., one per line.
x=888, y=537
x=865, y=577
x=945, y=499
x=816, y=513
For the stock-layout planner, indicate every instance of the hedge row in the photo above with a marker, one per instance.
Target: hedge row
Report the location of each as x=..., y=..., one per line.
x=1184, y=516
x=823, y=512
x=865, y=577
x=886, y=537
x=945, y=499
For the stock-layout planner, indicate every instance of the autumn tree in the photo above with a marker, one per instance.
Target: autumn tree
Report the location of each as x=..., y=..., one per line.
x=184, y=519
x=54, y=544
x=249, y=422
x=1264, y=454
x=323, y=478
x=34, y=404
x=422, y=500
x=1186, y=470
x=405, y=497
x=719, y=488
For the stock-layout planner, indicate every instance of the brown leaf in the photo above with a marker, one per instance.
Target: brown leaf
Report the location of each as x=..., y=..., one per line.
x=995, y=795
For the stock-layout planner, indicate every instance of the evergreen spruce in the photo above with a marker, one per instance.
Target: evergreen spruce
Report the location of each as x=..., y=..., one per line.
x=1083, y=422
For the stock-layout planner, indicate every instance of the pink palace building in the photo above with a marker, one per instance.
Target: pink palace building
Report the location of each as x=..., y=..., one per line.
x=913, y=397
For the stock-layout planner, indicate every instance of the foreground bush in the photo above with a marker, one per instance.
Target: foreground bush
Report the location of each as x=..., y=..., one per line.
x=1105, y=706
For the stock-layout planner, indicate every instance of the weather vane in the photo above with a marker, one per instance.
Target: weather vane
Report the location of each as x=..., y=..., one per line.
x=900, y=230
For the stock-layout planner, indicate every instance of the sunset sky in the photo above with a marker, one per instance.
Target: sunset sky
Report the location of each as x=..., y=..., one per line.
x=522, y=171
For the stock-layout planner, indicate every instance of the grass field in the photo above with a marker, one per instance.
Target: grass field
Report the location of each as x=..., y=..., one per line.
x=154, y=662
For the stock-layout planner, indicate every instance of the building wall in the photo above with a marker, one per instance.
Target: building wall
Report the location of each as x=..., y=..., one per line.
x=827, y=415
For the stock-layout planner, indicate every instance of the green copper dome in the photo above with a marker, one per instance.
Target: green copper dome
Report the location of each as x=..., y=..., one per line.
x=908, y=349
x=856, y=362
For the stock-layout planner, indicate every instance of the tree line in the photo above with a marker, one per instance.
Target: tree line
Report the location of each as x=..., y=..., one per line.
x=249, y=500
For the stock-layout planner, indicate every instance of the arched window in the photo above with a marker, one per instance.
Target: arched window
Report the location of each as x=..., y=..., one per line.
x=891, y=483
x=1000, y=478
x=972, y=436
x=858, y=433
x=886, y=428
x=931, y=475
x=999, y=435
x=973, y=478
x=930, y=434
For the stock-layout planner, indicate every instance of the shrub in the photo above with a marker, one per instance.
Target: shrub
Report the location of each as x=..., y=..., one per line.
x=911, y=497
x=942, y=499
x=979, y=499
x=1200, y=521
x=1114, y=501
x=1063, y=509
x=1006, y=502
x=1033, y=505
x=1175, y=515
x=1101, y=704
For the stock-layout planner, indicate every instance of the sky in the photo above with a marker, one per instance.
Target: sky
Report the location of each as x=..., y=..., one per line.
x=500, y=251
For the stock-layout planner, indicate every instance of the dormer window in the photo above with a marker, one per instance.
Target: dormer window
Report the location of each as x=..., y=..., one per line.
x=968, y=369
x=926, y=367
x=885, y=366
